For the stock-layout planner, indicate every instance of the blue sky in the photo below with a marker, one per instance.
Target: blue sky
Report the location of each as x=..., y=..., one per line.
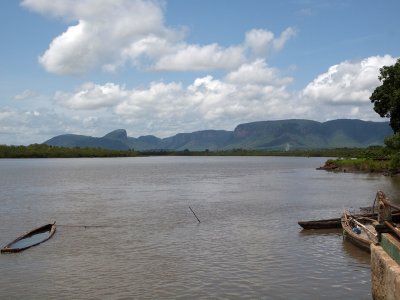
x=164, y=67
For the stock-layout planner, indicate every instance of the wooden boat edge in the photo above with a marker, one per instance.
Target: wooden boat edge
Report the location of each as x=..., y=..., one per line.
x=7, y=249
x=320, y=224
x=336, y=222
x=354, y=239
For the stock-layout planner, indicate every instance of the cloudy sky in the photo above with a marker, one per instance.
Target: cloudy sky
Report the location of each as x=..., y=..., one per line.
x=163, y=67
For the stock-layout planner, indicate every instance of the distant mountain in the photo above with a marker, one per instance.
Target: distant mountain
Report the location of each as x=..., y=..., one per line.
x=306, y=134
x=264, y=135
x=72, y=140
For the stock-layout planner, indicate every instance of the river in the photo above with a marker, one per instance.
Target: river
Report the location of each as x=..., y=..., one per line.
x=125, y=230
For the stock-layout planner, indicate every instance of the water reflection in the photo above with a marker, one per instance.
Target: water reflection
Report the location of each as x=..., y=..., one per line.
x=313, y=232
x=356, y=253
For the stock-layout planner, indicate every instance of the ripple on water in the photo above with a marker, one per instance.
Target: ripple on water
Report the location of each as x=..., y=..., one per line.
x=247, y=246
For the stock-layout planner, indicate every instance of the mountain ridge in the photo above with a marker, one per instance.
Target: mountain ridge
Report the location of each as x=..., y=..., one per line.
x=261, y=135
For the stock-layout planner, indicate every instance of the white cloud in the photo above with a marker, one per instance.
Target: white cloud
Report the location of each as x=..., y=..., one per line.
x=257, y=72
x=348, y=82
x=106, y=34
x=73, y=52
x=18, y=126
x=262, y=42
x=110, y=34
x=32, y=113
x=280, y=42
x=160, y=100
x=254, y=91
x=344, y=90
x=259, y=41
x=168, y=108
x=91, y=96
x=22, y=126
x=6, y=115
x=151, y=46
x=103, y=31
x=201, y=58
x=26, y=94
x=209, y=57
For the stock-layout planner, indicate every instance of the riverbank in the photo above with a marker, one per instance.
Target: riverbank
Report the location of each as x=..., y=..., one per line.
x=359, y=165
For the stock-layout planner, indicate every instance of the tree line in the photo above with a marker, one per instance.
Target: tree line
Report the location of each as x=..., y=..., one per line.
x=386, y=100
x=47, y=151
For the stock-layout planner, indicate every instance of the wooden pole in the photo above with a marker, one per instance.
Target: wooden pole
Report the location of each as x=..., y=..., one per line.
x=194, y=214
x=365, y=228
x=384, y=208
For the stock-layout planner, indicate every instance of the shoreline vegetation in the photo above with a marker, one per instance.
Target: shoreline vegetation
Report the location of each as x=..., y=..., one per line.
x=377, y=159
x=359, y=165
x=46, y=151
x=374, y=159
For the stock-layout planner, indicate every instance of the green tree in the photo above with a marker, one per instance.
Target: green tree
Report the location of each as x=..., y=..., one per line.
x=386, y=97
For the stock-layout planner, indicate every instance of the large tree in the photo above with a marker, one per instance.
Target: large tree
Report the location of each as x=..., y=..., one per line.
x=386, y=97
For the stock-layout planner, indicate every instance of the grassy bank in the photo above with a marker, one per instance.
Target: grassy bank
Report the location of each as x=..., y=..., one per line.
x=365, y=165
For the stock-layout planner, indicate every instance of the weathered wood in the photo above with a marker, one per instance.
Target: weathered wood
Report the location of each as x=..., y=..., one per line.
x=384, y=209
x=363, y=240
x=321, y=224
x=194, y=214
x=365, y=228
x=335, y=222
x=51, y=228
x=393, y=229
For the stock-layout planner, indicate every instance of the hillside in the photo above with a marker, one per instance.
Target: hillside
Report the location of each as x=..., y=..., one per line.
x=263, y=135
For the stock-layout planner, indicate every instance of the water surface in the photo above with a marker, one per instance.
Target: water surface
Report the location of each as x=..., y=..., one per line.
x=141, y=241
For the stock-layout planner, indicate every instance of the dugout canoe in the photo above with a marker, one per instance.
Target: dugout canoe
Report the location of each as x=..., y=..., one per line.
x=336, y=222
x=321, y=224
x=360, y=231
x=31, y=238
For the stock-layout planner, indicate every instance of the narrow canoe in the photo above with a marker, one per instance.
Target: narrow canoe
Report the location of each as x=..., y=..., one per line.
x=321, y=224
x=31, y=238
x=360, y=231
x=336, y=222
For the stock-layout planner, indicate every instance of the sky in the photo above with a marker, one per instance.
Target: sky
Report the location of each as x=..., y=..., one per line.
x=166, y=67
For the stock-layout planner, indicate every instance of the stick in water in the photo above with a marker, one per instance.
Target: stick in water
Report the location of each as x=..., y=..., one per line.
x=194, y=214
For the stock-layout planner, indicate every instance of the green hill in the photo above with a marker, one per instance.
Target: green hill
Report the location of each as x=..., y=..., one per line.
x=264, y=135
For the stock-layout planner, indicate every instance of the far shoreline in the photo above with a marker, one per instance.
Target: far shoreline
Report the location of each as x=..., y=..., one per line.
x=46, y=151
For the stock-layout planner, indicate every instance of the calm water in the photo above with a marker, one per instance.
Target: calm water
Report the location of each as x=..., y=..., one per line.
x=143, y=242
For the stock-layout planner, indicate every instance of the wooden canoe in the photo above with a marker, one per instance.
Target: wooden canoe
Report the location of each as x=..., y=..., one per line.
x=31, y=238
x=321, y=224
x=359, y=230
x=336, y=222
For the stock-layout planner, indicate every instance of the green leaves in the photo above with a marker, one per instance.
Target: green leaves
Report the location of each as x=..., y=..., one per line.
x=386, y=97
x=46, y=151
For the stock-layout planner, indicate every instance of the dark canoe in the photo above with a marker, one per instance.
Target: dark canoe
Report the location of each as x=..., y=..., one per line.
x=31, y=238
x=321, y=224
x=336, y=223
x=367, y=233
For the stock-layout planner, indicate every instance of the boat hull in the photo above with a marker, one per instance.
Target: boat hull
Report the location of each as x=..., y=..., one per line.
x=360, y=240
x=30, y=239
x=320, y=224
x=336, y=223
